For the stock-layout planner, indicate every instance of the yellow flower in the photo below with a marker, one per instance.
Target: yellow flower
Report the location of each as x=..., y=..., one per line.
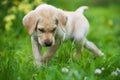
x=16, y=2
x=37, y=2
x=13, y=9
x=8, y=25
x=25, y=7
x=9, y=18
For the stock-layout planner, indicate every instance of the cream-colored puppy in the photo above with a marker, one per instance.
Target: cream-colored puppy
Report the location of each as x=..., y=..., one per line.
x=49, y=26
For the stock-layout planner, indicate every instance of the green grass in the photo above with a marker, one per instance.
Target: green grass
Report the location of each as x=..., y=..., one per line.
x=16, y=59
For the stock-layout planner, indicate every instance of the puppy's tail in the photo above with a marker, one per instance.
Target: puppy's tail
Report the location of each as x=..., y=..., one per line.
x=82, y=9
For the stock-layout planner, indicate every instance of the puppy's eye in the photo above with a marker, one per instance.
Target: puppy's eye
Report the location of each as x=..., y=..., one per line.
x=41, y=30
x=56, y=21
x=53, y=30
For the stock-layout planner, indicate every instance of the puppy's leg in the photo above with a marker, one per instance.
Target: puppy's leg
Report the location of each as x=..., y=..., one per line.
x=78, y=51
x=36, y=50
x=50, y=53
x=79, y=44
x=92, y=47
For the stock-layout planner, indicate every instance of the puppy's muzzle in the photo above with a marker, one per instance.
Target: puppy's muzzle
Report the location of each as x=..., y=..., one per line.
x=47, y=43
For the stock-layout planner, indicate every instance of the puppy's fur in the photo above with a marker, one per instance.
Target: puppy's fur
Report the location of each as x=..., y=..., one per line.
x=48, y=26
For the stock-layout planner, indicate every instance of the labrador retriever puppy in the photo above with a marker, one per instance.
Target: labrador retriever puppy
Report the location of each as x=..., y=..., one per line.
x=49, y=26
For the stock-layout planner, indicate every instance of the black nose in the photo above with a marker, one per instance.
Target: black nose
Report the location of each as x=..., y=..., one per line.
x=48, y=43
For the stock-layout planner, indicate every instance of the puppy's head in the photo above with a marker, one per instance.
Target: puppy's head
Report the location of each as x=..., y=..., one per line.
x=45, y=20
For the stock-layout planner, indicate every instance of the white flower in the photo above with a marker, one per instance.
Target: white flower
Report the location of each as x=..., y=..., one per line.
x=65, y=70
x=102, y=68
x=98, y=71
x=114, y=73
x=118, y=70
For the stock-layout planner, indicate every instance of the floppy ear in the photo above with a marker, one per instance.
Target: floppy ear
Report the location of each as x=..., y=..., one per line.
x=30, y=21
x=62, y=20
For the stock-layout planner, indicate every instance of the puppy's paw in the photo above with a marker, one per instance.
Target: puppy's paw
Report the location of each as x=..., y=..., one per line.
x=76, y=56
x=37, y=63
x=101, y=55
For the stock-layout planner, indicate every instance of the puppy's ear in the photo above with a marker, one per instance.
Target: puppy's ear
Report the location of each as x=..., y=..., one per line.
x=30, y=21
x=62, y=20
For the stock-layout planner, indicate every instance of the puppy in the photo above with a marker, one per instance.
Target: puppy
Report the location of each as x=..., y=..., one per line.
x=49, y=26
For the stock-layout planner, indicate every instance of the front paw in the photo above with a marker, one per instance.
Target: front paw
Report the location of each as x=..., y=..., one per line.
x=45, y=61
x=76, y=56
x=40, y=62
x=37, y=63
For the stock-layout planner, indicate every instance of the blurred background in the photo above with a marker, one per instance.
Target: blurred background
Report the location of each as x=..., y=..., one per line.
x=15, y=44
x=12, y=11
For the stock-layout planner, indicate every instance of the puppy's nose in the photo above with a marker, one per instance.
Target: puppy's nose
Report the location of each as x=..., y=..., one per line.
x=48, y=43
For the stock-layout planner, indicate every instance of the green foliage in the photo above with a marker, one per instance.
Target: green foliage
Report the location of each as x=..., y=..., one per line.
x=73, y=4
x=16, y=59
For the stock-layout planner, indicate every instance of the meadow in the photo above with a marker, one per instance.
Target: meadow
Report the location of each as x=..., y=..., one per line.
x=16, y=58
